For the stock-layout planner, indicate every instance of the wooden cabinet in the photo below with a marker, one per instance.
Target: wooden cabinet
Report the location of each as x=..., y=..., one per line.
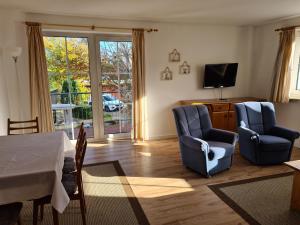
x=219, y=119
x=231, y=121
x=222, y=112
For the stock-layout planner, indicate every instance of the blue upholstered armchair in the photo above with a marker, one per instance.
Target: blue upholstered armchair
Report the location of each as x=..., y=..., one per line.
x=260, y=140
x=203, y=149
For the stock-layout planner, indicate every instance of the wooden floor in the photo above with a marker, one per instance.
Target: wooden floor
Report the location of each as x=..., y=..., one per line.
x=168, y=192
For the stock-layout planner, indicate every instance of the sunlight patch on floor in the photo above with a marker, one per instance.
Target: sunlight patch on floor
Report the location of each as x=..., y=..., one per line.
x=143, y=187
x=97, y=145
x=152, y=187
x=141, y=143
x=147, y=154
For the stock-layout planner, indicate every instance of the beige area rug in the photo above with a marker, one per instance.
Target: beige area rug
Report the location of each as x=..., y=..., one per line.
x=264, y=200
x=109, y=198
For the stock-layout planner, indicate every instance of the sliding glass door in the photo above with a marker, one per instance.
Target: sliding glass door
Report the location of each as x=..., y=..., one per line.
x=90, y=81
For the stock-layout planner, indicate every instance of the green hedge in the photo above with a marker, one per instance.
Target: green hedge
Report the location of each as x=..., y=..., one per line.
x=83, y=112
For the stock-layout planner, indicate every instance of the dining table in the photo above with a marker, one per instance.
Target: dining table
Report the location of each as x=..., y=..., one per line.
x=31, y=167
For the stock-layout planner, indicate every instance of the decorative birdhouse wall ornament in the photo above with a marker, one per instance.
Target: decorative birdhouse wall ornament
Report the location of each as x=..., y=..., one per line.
x=166, y=74
x=185, y=68
x=174, y=56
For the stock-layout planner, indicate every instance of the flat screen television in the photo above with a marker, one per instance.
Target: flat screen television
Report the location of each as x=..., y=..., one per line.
x=220, y=75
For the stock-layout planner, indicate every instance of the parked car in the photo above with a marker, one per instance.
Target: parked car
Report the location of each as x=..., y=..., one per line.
x=110, y=103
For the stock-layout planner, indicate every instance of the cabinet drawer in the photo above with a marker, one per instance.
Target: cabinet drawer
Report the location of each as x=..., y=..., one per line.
x=220, y=107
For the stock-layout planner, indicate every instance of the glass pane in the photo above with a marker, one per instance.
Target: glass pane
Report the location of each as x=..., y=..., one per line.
x=55, y=49
x=125, y=56
x=108, y=55
x=78, y=57
x=111, y=107
x=82, y=112
x=69, y=82
x=116, y=86
x=110, y=83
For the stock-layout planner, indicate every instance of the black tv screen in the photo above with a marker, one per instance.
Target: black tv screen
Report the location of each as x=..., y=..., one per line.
x=218, y=75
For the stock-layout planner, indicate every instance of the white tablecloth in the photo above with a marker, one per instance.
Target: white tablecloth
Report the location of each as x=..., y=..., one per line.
x=31, y=167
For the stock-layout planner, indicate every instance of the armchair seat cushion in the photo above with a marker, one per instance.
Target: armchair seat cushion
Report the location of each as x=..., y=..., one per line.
x=271, y=143
x=219, y=150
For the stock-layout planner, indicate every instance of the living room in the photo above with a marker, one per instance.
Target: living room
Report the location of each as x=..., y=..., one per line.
x=164, y=190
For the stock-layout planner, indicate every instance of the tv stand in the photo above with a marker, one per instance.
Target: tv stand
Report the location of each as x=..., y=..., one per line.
x=221, y=111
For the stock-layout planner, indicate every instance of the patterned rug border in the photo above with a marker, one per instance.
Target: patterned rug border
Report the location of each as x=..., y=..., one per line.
x=232, y=204
x=134, y=202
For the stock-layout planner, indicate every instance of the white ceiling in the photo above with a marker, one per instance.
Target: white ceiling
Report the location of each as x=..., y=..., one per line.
x=232, y=12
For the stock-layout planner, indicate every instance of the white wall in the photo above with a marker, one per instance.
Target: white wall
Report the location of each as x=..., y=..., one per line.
x=198, y=45
x=12, y=34
x=264, y=54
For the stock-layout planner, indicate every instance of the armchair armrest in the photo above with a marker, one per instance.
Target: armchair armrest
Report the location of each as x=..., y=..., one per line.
x=195, y=143
x=285, y=133
x=222, y=136
x=249, y=134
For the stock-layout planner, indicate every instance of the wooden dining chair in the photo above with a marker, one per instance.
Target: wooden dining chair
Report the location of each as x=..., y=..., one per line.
x=13, y=126
x=73, y=185
x=10, y=213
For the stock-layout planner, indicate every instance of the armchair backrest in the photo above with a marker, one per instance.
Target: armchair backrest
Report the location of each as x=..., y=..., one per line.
x=257, y=116
x=192, y=120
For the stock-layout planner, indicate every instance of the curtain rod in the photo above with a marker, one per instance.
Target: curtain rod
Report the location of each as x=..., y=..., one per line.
x=93, y=27
x=287, y=28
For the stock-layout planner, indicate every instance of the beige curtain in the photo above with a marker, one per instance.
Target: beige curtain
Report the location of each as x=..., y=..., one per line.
x=39, y=89
x=138, y=78
x=282, y=76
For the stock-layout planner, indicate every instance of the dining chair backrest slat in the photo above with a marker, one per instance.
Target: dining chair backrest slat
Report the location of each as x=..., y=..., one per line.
x=22, y=126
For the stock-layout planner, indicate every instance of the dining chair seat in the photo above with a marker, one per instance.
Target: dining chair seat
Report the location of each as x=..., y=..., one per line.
x=10, y=213
x=68, y=159
x=69, y=165
x=69, y=182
